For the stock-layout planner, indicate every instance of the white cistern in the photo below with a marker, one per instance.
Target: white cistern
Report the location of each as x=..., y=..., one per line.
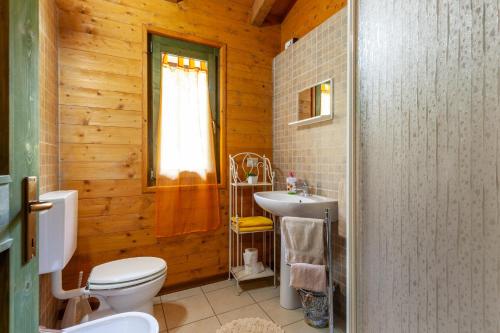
x=121, y=285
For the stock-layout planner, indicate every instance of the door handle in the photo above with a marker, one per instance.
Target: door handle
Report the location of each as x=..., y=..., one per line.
x=31, y=206
x=39, y=206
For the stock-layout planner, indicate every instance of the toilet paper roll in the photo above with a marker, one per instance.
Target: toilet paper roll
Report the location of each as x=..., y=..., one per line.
x=254, y=268
x=250, y=257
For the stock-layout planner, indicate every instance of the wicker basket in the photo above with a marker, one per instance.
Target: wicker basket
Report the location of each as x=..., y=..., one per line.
x=315, y=307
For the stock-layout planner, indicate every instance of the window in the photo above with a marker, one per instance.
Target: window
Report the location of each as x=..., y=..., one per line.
x=181, y=56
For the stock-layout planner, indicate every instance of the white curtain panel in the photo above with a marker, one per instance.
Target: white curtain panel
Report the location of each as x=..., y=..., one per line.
x=185, y=123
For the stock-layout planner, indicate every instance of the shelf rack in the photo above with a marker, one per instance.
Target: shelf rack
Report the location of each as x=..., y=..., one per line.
x=239, y=165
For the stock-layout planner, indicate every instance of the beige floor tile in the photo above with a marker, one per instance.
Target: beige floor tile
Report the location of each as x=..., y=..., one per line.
x=227, y=299
x=302, y=327
x=265, y=293
x=218, y=285
x=280, y=315
x=181, y=294
x=160, y=316
x=187, y=310
x=250, y=311
x=209, y=325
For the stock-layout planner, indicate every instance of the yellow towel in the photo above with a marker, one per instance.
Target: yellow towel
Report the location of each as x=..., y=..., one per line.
x=252, y=221
x=252, y=229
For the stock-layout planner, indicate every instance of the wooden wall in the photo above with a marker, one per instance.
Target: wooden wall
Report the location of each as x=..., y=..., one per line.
x=306, y=15
x=100, y=59
x=429, y=157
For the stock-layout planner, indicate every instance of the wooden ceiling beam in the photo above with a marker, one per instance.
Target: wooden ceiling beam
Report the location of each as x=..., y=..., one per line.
x=260, y=10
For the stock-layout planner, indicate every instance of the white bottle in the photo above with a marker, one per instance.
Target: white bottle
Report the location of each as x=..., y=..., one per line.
x=291, y=183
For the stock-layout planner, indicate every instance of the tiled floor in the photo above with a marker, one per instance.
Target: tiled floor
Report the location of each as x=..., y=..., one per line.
x=205, y=309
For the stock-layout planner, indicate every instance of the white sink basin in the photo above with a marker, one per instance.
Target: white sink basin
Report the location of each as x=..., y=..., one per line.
x=281, y=203
x=127, y=322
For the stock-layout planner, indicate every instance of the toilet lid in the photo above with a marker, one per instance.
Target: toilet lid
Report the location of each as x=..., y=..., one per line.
x=126, y=270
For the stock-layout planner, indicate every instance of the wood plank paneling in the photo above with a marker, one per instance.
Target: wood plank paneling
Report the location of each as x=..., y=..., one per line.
x=78, y=115
x=98, y=26
x=429, y=116
x=101, y=242
x=99, y=62
x=91, y=79
x=101, y=94
x=103, y=45
x=306, y=15
x=100, y=134
x=143, y=204
x=98, y=225
x=260, y=10
x=104, y=188
x=75, y=152
x=88, y=97
x=106, y=170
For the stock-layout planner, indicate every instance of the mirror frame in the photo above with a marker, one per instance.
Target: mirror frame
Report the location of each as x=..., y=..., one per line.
x=316, y=119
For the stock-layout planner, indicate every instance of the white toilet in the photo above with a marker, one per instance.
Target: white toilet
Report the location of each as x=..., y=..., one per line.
x=121, y=285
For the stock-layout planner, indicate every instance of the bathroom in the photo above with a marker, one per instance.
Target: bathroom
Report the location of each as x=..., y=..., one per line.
x=342, y=177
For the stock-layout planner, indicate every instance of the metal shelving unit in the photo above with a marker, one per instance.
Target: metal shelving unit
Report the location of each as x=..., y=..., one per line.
x=239, y=165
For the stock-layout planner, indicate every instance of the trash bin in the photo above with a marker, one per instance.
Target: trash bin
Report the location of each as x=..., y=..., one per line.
x=315, y=307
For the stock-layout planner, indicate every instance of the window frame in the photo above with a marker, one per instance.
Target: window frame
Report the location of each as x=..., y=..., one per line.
x=147, y=30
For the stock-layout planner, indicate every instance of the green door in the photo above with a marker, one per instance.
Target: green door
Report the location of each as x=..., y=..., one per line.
x=19, y=125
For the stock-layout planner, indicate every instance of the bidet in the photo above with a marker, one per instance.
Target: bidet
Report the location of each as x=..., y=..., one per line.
x=128, y=322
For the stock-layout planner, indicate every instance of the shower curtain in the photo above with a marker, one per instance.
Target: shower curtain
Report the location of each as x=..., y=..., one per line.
x=187, y=197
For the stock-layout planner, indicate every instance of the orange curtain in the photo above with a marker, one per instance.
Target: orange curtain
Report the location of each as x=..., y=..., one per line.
x=187, y=197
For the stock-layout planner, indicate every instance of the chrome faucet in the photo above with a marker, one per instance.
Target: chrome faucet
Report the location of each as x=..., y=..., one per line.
x=304, y=189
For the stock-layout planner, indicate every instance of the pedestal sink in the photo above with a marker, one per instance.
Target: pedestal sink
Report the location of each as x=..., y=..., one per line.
x=280, y=203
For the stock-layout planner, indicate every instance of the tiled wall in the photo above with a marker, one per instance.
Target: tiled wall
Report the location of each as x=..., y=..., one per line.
x=317, y=153
x=49, y=138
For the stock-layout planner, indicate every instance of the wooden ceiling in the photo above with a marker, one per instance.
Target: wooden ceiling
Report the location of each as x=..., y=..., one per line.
x=264, y=12
x=269, y=12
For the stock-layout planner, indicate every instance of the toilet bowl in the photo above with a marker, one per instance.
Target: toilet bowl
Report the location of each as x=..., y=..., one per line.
x=121, y=285
x=124, y=289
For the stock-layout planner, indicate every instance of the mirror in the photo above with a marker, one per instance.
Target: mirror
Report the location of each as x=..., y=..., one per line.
x=315, y=103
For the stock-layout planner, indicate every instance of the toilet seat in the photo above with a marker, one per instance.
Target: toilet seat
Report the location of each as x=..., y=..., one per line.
x=125, y=273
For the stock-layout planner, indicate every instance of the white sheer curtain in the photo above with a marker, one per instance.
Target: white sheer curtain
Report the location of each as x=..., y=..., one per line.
x=185, y=140
x=187, y=196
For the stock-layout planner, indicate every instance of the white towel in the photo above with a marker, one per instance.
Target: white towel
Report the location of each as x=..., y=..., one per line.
x=308, y=277
x=303, y=239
